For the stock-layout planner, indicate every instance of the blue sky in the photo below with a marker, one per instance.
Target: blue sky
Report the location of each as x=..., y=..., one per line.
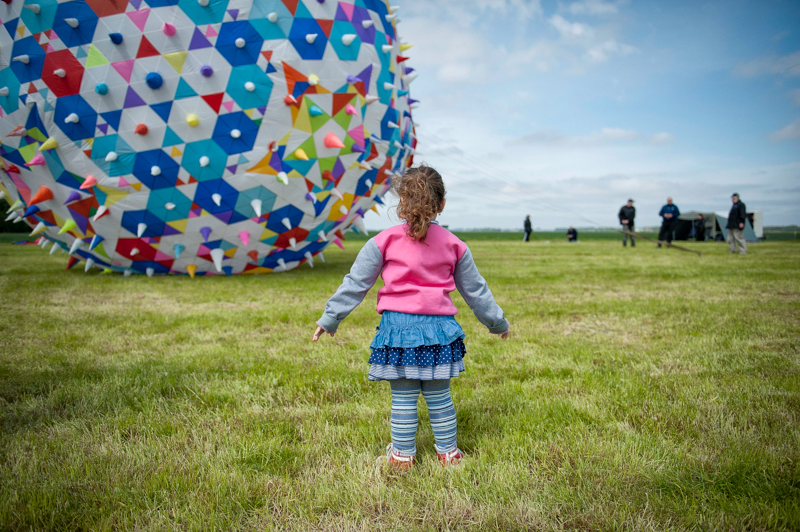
x=564, y=109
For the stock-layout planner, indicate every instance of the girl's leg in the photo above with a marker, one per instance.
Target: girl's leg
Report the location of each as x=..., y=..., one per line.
x=405, y=393
x=442, y=414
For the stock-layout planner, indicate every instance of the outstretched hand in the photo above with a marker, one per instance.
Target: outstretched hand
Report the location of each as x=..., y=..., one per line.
x=319, y=333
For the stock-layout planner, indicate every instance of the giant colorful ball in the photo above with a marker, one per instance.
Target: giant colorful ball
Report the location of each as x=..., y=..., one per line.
x=200, y=136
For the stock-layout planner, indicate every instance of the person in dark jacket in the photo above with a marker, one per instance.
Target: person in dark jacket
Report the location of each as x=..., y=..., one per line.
x=572, y=235
x=528, y=229
x=626, y=215
x=700, y=228
x=736, y=221
x=669, y=213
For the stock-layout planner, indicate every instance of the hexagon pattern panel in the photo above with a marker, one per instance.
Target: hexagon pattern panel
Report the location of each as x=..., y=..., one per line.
x=200, y=136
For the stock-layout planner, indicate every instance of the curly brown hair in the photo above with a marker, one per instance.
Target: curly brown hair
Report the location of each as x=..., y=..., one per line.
x=421, y=191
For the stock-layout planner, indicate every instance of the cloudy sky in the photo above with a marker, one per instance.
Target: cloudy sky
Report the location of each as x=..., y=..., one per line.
x=564, y=109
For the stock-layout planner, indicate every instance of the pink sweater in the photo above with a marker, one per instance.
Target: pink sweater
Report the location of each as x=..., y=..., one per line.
x=418, y=277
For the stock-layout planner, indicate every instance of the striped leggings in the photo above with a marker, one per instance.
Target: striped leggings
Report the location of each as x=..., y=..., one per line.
x=442, y=413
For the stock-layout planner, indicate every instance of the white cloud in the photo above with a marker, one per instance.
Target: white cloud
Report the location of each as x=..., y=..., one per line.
x=787, y=65
x=597, y=47
x=595, y=7
x=790, y=132
x=603, y=137
x=794, y=94
x=662, y=138
x=571, y=30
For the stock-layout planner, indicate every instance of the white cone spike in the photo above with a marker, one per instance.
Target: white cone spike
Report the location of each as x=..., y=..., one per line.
x=392, y=125
x=256, y=205
x=217, y=198
x=24, y=58
x=75, y=245
x=4, y=91
x=321, y=256
x=140, y=229
x=169, y=206
x=11, y=216
x=311, y=37
x=155, y=171
x=309, y=258
x=287, y=223
x=368, y=182
x=411, y=77
x=60, y=72
x=89, y=264
x=386, y=48
x=127, y=273
x=273, y=17
x=38, y=229
x=42, y=242
x=16, y=206
x=359, y=223
x=348, y=38
x=134, y=252
x=34, y=7
x=217, y=255
x=2, y=195
x=149, y=272
x=390, y=18
x=367, y=24
x=54, y=248
x=322, y=236
x=283, y=177
x=73, y=22
x=101, y=210
x=282, y=264
x=371, y=99
x=343, y=210
x=392, y=9
x=72, y=118
x=293, y=243
x=204, y=161
x=337, y=193
x=111, y=157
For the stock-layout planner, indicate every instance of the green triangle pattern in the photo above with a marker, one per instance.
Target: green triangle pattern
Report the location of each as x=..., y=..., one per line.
x=95, y=58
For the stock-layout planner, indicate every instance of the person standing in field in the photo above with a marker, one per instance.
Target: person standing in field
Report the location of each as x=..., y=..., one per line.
x=419, y=345
x=626, y=214
x=736, y=220
x=528, y=229
x=700, y=228
x=669, y=213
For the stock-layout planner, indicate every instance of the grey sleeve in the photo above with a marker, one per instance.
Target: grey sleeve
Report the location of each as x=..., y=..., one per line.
x=476, y=293
x=356, y=284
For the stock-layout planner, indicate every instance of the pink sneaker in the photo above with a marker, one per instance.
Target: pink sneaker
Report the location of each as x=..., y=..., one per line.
x=452, y=458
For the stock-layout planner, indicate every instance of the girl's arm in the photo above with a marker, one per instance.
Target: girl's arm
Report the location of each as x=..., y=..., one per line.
x=476, y=293
x=356, y=284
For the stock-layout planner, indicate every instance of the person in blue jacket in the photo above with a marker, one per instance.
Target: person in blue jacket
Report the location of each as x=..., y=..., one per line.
x=669, y=213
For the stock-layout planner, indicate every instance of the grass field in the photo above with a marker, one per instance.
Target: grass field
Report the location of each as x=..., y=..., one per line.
x=642, y=389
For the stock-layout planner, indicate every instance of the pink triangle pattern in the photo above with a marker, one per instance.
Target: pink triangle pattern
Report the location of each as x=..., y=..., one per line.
x=211, y=32
x=357, y=133
x=125, y=68
x=228, y=106
x=348, y=9
x=139, y=18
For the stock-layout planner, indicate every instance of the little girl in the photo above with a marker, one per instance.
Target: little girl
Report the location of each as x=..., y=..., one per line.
x=419, y=345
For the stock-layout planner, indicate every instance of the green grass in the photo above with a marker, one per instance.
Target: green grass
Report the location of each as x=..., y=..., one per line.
x=642, y=389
